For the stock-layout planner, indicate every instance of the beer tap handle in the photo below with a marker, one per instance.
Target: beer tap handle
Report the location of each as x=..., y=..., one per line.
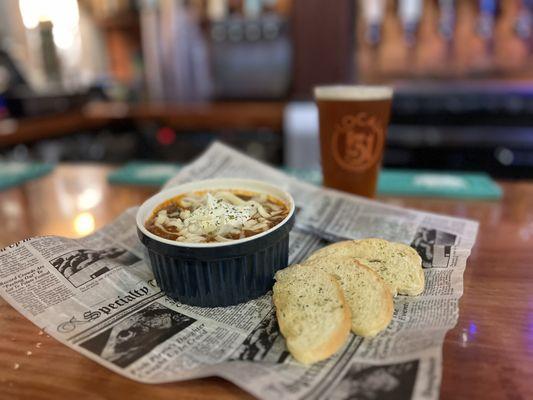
x=410, y=14
x=373, y=12
x=487, y=14
x=447, y=19
x=252, y=9
x=524, y=20
x=217, y=10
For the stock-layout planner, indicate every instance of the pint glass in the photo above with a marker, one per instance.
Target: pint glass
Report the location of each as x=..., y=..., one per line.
x=353, y=126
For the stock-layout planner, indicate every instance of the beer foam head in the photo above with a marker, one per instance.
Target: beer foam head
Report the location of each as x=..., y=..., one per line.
x=354, y=92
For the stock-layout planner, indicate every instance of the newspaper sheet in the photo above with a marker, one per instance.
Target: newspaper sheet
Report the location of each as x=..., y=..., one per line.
x=98, y=296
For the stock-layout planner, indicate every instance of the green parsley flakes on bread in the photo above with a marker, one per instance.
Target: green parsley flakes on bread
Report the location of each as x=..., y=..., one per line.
x=367, y=295
x=399, y=265
x=343, y=286
x=312, y=312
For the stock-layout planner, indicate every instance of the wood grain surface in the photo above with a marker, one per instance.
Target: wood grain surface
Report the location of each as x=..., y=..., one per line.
x=233, y=116
x=488, y=355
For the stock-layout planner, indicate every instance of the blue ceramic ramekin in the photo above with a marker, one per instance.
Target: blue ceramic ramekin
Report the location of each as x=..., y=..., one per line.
x=217, y=274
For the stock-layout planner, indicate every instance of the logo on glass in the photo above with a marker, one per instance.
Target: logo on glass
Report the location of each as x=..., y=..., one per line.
x=357, y=142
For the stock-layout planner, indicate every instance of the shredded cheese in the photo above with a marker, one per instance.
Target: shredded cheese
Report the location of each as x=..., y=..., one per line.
x=216, y=213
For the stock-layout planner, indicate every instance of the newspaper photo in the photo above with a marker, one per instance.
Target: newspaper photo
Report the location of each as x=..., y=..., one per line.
x=98, y=296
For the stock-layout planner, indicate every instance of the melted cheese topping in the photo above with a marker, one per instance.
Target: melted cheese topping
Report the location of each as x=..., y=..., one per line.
x=216, y=213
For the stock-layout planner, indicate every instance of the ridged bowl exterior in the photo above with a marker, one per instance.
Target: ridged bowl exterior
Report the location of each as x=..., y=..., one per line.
x=219, y=276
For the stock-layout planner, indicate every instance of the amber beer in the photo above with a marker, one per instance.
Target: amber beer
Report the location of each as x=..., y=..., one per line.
x=353, y=126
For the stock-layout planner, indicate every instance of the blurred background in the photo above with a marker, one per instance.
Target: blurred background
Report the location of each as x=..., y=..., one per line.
x=119, y=80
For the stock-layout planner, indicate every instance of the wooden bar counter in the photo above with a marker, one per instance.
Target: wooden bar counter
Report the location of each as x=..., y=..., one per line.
x=488, y=355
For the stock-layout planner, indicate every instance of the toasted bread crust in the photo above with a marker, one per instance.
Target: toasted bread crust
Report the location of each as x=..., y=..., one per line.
x=381, y=269
x=402, y=260
x=335, y=342
x=381, y=312
x=321, y=351
x=385, y=316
